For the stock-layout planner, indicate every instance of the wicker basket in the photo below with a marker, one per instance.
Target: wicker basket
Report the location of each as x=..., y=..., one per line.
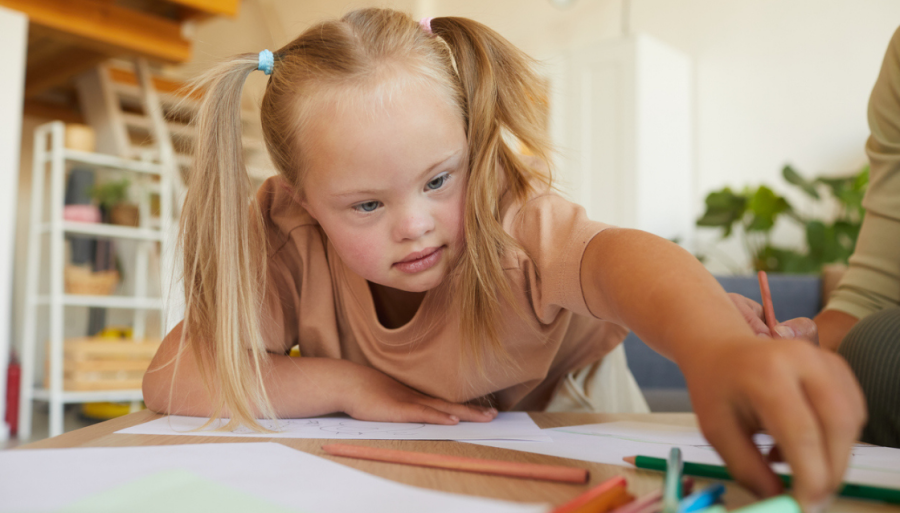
x=81, y=280
x=93, y=363
x=125, y=214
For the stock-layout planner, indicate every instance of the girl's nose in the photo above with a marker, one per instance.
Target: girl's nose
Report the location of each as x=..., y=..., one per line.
x=414, y=224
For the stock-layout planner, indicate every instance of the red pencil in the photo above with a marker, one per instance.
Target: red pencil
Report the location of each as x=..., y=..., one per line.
x=768, y=308
x=502, y=468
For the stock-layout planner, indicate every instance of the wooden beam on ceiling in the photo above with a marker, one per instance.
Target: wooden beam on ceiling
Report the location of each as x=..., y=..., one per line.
x=212, y=7
x=58, y=68
x=108, y=28
x=47, y=110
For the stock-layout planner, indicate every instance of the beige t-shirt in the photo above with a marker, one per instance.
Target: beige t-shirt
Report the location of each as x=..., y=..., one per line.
x=313, y=300
x=872, y=283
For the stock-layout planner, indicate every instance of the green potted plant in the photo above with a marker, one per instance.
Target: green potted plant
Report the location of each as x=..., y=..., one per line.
x=755, y=212
x=112, y=198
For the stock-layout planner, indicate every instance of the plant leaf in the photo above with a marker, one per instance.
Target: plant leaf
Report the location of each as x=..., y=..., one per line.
x=794, y=178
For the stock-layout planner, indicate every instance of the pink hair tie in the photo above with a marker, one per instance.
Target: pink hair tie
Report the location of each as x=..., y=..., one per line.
x=425, y=23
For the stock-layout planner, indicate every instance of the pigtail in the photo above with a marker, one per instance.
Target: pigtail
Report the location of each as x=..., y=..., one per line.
x=502, y=96
x=224, y=254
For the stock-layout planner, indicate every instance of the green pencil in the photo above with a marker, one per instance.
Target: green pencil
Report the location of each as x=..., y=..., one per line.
x=856, y=491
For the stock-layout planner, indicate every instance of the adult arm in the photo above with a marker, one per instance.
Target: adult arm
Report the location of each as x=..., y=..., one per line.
x=872, y=283
x=806, y=398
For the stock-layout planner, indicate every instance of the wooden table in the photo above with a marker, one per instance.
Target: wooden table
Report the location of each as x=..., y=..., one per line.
x=639, y=481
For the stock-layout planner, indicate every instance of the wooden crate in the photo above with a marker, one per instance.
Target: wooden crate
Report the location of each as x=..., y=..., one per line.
x=95, y=363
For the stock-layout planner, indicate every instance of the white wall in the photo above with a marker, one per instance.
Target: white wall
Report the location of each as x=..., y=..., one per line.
x=13, y=40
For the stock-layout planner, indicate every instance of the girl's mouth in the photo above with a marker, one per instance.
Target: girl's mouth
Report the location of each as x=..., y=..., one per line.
x=420, y=260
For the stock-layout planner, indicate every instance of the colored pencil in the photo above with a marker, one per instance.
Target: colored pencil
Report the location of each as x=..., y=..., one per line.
x=672, y=486
x=607, y=493
x=857, y=491
x=650, y=500
x=496, y=467
x=702, y=499
x=768, y=307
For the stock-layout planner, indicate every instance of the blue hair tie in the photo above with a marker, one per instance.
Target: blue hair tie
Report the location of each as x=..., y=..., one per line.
x=266, y=62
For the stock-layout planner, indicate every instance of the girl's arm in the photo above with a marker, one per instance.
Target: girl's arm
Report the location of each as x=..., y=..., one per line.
x=302, y=387
x=805, y=397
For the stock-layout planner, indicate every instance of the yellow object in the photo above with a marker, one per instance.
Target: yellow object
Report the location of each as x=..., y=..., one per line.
x=295, y=351
x=106, y=411
x=115, y=332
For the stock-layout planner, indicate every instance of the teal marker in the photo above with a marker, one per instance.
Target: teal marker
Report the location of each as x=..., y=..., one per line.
x=672, y=489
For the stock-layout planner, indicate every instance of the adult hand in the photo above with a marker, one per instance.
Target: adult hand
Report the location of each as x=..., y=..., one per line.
x=801, y=327
x=369, y=394
x=805, y=397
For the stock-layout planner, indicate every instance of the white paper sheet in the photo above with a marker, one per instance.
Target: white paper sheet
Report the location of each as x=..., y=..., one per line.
x=52, y=479
x=507, y=426
x=612, y=441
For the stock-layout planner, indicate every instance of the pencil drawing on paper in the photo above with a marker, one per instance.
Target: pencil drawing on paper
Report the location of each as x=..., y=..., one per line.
x=355, y=427
x=343, y=427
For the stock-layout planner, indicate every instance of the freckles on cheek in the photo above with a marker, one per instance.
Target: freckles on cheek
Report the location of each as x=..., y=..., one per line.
x=360, y=251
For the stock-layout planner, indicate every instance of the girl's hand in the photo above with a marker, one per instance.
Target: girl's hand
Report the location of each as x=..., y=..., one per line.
x=372, y=395
x=801, y=327
x=805, y=397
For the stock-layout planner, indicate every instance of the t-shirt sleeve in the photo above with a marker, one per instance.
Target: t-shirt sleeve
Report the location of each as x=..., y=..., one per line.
x=872, y=282
x=278, y=319
x=554, y=232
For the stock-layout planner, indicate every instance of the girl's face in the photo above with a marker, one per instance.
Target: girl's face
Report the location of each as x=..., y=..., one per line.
x=387, y=183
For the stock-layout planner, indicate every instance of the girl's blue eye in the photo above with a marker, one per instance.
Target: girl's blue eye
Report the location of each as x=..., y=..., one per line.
x=438, y=181
x=368, y=206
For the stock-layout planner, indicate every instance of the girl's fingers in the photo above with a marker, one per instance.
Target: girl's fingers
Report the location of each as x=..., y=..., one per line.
x=743, y=459
x=786, y=413
x=837, y=406
x=465, y=412
x=418, y=412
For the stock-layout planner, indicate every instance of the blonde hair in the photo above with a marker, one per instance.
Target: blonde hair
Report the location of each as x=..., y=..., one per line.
x=497, y=94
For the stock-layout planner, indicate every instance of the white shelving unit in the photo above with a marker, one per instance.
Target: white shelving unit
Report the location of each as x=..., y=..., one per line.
x=51, y=157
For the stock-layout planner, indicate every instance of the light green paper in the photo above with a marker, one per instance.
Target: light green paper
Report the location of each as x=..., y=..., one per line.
x=173, y=491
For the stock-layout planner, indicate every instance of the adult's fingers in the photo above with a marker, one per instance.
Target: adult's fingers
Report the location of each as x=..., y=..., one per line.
x=801, y=327
x=735, y=445
x=752, y=313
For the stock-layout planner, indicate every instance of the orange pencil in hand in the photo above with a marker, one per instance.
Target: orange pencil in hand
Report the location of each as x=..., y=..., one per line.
x=768, y=307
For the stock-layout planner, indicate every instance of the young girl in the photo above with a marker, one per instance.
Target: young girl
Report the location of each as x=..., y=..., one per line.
x=429, y=274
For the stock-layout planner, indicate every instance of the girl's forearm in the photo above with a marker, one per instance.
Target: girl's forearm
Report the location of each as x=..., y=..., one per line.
x=659, y=291
x=297, y=387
